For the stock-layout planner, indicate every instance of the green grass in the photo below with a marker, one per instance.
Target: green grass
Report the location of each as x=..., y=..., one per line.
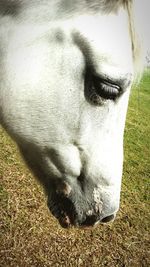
x=31, y=237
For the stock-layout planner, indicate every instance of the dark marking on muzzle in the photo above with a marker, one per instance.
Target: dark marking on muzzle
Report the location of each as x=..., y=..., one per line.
x=76, y=204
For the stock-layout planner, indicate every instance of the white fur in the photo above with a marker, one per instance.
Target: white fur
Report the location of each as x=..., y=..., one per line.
x=42, y=100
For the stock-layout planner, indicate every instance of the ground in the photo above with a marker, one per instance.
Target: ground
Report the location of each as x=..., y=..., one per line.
x=31, y=237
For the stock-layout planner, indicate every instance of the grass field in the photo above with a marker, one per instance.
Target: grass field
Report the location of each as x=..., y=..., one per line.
x=31, y=237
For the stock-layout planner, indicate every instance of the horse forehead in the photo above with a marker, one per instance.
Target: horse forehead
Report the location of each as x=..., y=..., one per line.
x=53, y=9
x=13, y=5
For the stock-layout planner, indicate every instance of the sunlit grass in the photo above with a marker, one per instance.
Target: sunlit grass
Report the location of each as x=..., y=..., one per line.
x=31, y=237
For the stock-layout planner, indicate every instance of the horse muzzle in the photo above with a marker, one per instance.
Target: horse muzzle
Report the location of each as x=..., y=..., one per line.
x=76, y=208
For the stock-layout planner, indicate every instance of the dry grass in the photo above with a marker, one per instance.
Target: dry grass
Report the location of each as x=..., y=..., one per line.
x=31, y=237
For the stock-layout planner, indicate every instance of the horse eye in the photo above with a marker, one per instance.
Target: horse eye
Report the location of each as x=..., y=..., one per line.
x=105, y=89
x=100, y=89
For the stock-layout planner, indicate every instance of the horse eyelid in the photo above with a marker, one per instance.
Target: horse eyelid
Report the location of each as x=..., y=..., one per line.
x=122, y=82
x=105, y=89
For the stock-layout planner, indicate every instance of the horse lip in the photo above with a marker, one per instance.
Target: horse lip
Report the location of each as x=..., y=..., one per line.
x=66, y=217
x=65, y=221
x=108, y=219
x=61, y=216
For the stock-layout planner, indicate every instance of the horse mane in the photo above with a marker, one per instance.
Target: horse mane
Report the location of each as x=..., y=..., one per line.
x=137, y=49
x=135, y=9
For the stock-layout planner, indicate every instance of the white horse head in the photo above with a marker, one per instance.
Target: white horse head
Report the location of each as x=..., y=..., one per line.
x=66, y=72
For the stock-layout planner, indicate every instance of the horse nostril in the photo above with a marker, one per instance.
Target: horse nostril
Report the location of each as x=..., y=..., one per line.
x=108, y=218
x=81, y=180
